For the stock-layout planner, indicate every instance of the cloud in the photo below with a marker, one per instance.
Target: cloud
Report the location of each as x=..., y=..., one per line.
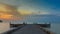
x=4, y=8
x=41, y=13
x=6, y=16
x=31, y=6
x=8, y=12
x=10, y=2
x=44, y=12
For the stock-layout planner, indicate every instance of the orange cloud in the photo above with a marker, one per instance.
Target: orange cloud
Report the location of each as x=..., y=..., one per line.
x=6, y=16
x=8, y=12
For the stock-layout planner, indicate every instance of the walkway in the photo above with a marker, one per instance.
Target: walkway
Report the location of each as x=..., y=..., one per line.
x=29, y=29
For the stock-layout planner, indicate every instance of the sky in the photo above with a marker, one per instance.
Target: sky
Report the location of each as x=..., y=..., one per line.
x=41, y=7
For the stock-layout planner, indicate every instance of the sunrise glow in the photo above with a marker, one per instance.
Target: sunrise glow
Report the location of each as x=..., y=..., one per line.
x=5, y=16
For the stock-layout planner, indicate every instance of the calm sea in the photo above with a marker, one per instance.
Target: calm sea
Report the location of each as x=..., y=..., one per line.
x=55, y=28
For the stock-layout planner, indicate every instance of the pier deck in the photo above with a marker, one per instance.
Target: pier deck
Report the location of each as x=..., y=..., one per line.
x=29, y=29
